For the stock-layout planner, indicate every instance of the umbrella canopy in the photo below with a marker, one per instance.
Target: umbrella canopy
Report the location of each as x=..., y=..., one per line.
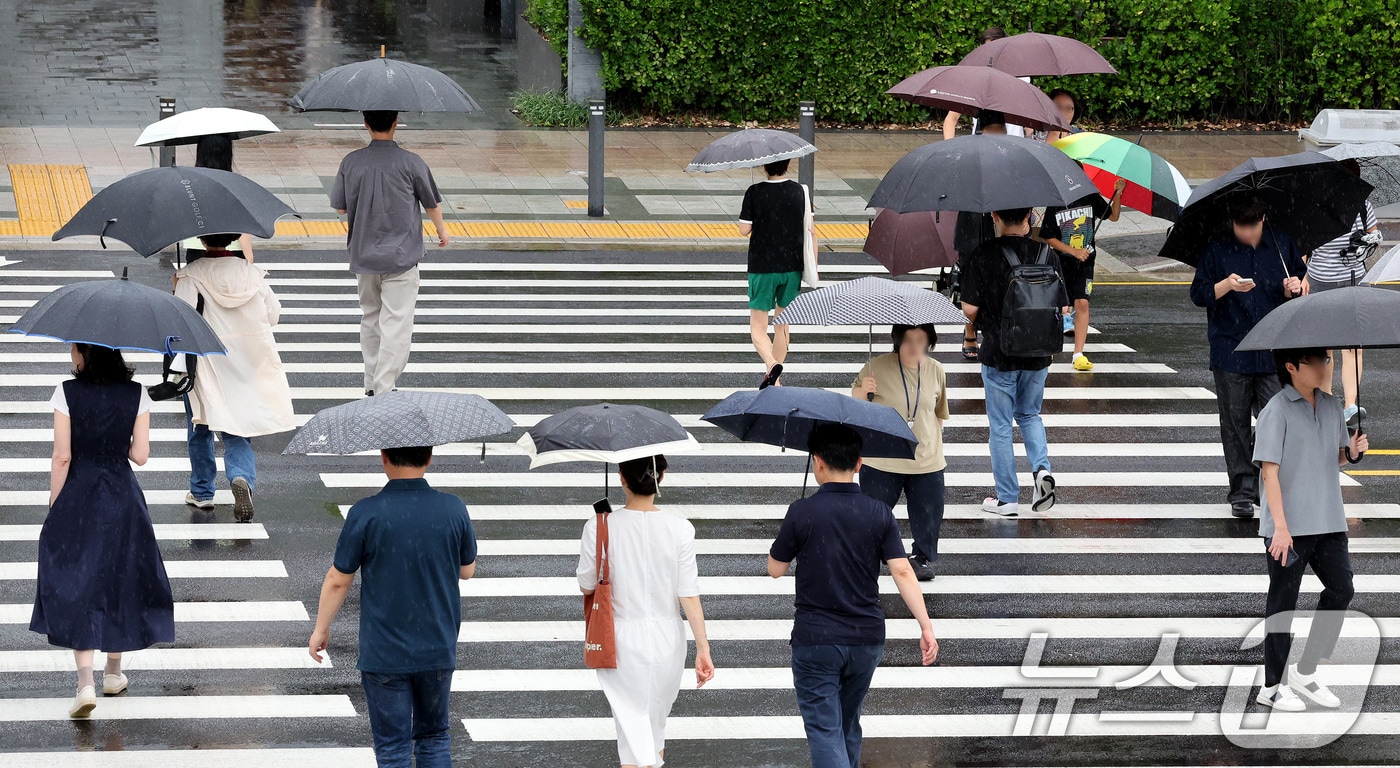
x=605, y=432
x=870, y=301
x=188, y=127
x=970, y=90
x=1380, y=167
x=1154, y=186
x=1309, y=195
x=400, y=419
x=980, y=174
x=152, y=209
x=749, y=148
x=1351, y=316
x=1387, y=269
x=1032, y=54
x=784, y=416
x=908, y=242
x=122, y=315
x=383, y=84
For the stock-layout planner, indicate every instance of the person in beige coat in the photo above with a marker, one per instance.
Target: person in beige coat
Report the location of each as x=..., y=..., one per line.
x=242, y=394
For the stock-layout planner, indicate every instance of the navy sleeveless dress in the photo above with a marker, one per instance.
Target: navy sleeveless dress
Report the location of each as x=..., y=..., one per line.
x=102, y=583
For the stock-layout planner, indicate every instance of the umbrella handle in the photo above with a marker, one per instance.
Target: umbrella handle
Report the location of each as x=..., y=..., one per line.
x=168, y=340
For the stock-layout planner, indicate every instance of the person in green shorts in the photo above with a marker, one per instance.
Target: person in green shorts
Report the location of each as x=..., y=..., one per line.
x=772, y=217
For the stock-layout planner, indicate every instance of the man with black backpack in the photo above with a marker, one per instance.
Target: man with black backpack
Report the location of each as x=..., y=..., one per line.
x=1013, y=291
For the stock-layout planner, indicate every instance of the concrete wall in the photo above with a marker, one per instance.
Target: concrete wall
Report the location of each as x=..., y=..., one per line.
x=537, y=65
x=585, y=79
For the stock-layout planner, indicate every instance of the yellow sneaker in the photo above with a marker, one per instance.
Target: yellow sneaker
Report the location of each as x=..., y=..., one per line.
x=1081, y=363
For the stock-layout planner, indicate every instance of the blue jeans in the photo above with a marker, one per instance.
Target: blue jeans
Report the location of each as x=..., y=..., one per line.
x=409, y=719
x=1014, y=395
x=831, y=683
x=239, y=459
x=924, y=495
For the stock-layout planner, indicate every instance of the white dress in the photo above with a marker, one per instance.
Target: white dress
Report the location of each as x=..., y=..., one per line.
x=653, y=564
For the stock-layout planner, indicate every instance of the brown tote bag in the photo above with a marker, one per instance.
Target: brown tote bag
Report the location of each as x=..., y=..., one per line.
x=599, y=643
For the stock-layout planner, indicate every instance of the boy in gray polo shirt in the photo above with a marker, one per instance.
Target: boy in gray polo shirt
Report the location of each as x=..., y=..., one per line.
x=1300, y=442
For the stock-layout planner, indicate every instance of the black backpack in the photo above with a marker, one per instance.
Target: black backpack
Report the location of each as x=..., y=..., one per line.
x=1031, y=321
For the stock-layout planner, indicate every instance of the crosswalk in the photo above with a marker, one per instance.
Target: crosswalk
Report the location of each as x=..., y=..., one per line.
x=1140, y=547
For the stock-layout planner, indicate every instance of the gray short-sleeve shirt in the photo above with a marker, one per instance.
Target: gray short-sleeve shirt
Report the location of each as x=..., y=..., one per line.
x=380, y=188
x=1303, y=440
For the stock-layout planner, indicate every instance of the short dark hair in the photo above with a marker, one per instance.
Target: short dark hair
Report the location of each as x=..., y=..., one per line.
x=989, y=34
x=1078, y=107
x=222, y=240
x=897, y=333
x=214, y=151
x=102, y=365
x=642, y=475
x=1248, y=210
x=776, y=168
x=989, y=117
x=1013, y=215
x=1283, y=357
x=380, y=120
x=835, y=444
x=417, y=457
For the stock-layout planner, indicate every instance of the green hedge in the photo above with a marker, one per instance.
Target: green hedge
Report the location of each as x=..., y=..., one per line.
x=551, y=17
x=1177, y=59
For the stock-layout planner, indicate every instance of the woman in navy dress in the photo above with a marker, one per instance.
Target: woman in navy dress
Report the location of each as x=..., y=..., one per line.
x=102, y=582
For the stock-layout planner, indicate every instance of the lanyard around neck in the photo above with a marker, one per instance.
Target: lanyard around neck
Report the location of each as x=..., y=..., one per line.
x=913, y=410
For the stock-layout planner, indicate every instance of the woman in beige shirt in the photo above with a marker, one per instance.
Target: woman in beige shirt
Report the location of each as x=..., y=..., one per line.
x=913, y=383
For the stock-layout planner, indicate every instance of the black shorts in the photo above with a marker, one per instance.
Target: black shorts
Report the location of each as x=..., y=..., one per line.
x=1079, y=277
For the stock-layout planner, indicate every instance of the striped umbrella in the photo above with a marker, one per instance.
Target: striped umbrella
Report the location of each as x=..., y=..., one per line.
x=1155, y=186
x=870, y=301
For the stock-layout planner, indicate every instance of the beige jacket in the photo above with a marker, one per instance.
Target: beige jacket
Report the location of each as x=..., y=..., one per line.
x=244, y=392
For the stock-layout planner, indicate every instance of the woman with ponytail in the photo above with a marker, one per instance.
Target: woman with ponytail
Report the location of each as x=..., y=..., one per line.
x=652, y=565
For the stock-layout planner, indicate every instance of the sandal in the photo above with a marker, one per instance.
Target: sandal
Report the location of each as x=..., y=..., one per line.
x=969, y=348
x=772, y=377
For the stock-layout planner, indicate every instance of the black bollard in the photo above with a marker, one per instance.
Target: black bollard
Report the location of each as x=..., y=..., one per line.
x=595, y=157
x=167, y=109
x=807, y=129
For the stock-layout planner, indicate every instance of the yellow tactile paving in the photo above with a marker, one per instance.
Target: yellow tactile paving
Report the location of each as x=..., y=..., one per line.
x=843, y=231
x=644, y=230
x=686, y=230
x=48, y=195
x=605, y=230
x=9, y=227
x=289, y=228
x=530, y=229
x=564, y=229
x=720, y=230
x=324, y=227
x=575, y=203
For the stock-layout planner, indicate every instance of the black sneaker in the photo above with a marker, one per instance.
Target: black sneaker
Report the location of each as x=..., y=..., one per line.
x=242, y=500
x=1242, y=509
x=923, y=569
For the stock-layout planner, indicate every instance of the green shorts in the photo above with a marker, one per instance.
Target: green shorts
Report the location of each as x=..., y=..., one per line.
x=770, y=290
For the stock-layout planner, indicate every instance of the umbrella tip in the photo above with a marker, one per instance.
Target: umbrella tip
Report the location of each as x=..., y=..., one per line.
x=383, y=51
x=124, y=270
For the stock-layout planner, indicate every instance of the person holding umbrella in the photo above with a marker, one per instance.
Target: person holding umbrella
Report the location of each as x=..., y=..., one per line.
x=379, y=190
x=912, y=382
x=1070, y=230
x=950, y=121
x=651, y=559
x=101, y=580
x=1240, y=277
x=773, y=216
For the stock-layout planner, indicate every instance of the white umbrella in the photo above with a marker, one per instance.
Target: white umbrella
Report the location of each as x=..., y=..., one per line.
x=187, y=127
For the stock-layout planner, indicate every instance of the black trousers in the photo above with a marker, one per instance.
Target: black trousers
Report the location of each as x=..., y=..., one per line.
x=1330, y=559
x=1240, y=396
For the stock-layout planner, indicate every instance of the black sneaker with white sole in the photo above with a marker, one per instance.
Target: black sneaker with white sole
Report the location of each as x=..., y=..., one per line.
x=923, y=569
x=1043, y=492
x=242, y=500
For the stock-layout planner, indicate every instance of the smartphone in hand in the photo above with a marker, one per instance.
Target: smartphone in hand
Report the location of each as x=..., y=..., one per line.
x=1292, y=558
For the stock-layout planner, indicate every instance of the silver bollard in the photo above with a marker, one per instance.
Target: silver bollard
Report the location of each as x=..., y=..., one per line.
x=596, y=112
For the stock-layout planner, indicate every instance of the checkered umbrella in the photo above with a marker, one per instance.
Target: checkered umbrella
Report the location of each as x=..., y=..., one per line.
x=400, y=419
x=870, y=301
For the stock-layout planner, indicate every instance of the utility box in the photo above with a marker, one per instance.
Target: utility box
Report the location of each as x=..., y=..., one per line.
x=1348, y=126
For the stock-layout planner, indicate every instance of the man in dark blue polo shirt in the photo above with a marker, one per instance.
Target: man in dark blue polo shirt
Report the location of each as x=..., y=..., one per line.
x=1240, y=278
x=838, y=635
x=414, y=544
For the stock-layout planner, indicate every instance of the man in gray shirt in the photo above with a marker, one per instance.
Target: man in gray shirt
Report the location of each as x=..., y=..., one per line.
x=379, y=190
x=1300, y=442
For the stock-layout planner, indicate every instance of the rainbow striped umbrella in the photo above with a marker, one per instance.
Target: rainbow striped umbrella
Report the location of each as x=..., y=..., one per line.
x=1155, y=186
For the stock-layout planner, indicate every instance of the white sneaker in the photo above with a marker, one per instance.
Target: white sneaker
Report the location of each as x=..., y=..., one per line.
x=997, y=507
x=113, y=684
x=1309, y=688
x=1043, y=491
x=1280, y=697
x=200, y=503
x=84, y=702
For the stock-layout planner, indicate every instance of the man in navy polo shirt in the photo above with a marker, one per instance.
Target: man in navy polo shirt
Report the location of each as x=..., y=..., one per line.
x=413, y=543
x=838, y=636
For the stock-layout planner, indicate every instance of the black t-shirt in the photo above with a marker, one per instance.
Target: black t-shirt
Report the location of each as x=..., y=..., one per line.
x=986, y=276
x=776, y=211
x=971, y=230
x=1074, y=225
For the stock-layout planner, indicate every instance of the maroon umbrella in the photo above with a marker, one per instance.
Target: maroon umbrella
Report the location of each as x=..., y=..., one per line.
x=969, y=90
x=908, y=242
x=1031, y=54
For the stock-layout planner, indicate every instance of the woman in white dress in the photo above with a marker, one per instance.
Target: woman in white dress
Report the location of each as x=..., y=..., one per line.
x=652, y=570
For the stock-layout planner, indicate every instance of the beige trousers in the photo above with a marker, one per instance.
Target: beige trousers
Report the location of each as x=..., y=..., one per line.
x=386, y=331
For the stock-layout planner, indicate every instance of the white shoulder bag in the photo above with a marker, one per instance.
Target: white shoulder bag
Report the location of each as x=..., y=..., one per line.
x=809, y=241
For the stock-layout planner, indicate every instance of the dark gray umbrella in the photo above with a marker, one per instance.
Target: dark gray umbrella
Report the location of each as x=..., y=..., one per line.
x=400, y=419
x=749, y=148
x=981, y=173
x=383, y=84
x=122, y=315
x=1032, y=54
x=152, y=209
x=970, y=90
x=605, y=432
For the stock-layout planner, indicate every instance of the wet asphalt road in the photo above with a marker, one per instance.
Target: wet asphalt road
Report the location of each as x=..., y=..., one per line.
x=300, y=515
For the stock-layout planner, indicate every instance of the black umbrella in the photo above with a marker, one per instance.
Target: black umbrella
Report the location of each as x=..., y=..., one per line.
x=152, y=209
x=383, y=84
x=1358, y=317
x=122, y=315
x=1309, y=195
x=605, y=432
x=981, y=173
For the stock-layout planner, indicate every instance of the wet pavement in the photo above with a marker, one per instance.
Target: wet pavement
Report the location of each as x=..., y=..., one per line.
x=1133, y=444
